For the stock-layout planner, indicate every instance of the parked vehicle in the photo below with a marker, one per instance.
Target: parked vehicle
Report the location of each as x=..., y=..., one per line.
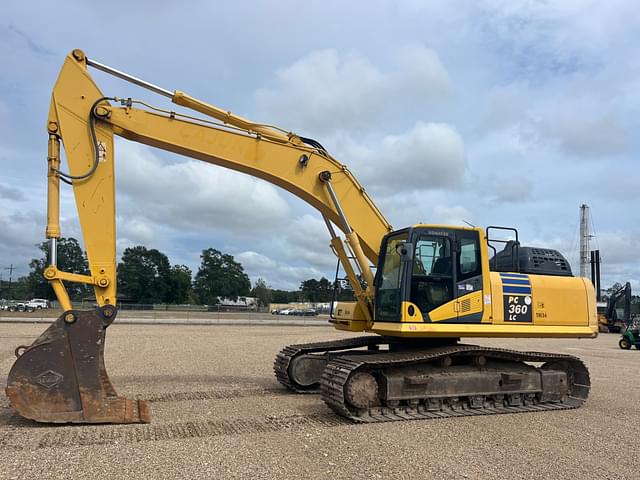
x=39, y=303
x=21, y=307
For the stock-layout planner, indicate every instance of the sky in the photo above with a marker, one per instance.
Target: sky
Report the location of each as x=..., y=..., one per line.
x=488, y=112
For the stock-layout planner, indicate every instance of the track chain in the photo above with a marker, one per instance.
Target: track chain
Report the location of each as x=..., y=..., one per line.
x=340, y=368
x=287, y=354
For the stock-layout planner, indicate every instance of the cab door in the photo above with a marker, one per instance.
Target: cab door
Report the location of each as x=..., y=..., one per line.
x=468, y=277
x=432, y=277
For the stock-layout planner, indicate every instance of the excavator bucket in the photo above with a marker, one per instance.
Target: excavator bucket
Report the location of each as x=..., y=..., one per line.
x=61, y=377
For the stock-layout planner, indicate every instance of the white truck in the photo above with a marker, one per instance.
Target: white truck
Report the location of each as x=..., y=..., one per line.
x=38, y=303
x=25, y=306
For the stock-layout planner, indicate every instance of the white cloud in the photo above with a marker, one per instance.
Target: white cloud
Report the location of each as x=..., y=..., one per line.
x=194, y=195
x=506, y=188
x=308, y=242
x=277, y=274
x=450, y=215
x=136, y=231
x=419, y=73
x=8, y=192
x=254, y=261
x=586, y=135
x=322, y=89
x=325, y=91
x=429, y=156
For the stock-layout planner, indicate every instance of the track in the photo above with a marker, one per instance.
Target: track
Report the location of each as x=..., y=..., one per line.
x=341, y=368
x=287, y=354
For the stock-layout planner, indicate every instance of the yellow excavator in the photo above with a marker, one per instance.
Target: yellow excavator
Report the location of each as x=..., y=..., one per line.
x=433, y=284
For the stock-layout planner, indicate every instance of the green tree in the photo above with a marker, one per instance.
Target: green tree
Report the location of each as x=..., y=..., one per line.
x=284, y=296
x=144, y=275
x=71, y=258
x=179, y=285
x=262, y=292
x=317, y=290
x=19, y=289
x=219, y=275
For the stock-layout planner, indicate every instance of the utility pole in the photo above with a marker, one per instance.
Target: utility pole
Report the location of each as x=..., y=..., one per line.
x=585, y=237
x=11, y=269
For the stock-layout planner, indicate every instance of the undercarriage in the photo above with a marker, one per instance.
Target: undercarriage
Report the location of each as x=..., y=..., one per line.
x=379, y=379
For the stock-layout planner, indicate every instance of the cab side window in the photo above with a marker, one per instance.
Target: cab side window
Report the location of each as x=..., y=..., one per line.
x=469, y=257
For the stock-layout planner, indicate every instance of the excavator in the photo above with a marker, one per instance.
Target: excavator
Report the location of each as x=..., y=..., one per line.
x=608, y=317
x=433, y=284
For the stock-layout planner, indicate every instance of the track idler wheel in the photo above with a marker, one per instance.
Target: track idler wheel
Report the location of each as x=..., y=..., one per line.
x=61, y=377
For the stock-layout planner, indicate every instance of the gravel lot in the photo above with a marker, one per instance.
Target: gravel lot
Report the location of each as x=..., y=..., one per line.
x=218, y=412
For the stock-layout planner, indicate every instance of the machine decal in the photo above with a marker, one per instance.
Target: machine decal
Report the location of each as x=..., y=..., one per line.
x=516, y=295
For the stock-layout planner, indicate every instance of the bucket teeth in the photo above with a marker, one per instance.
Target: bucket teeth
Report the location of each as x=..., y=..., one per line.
x=61, y=377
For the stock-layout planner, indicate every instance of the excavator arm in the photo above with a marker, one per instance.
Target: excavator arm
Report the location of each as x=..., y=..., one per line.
x=61, y=377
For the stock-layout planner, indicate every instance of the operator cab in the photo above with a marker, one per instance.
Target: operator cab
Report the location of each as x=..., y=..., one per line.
x=428, y=266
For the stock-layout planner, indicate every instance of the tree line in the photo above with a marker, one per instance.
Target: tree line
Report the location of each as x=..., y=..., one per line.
x=146, y=276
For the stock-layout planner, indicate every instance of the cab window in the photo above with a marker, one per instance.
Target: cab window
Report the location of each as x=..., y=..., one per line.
x=432, y=276
x=389, y=291
x=469, y=257
x=433, y=256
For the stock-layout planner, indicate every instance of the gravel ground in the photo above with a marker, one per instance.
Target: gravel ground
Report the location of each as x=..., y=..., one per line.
x=219, y=413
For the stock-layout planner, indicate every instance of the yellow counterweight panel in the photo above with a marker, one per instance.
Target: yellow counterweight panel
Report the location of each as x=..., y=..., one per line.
x=553, y=300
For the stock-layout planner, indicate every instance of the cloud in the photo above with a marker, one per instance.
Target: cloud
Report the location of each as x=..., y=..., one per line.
x=194, y=195
x=586, y=135
x=19, y=235
x=325, y=91
x=278, y=274
x=308, y=242
x=619, y=247
x=450, y=215
x=428, y=156
x=506, y=188
x=10, y=193
x=254, y=261
x=135, y=231
x=419, y=72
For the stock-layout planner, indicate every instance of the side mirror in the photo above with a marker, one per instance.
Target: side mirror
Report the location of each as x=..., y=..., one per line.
x=405, y=250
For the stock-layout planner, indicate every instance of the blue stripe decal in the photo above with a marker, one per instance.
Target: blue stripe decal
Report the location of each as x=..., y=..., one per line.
x=508, y=289
x=513, y=281
x=514, y=275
